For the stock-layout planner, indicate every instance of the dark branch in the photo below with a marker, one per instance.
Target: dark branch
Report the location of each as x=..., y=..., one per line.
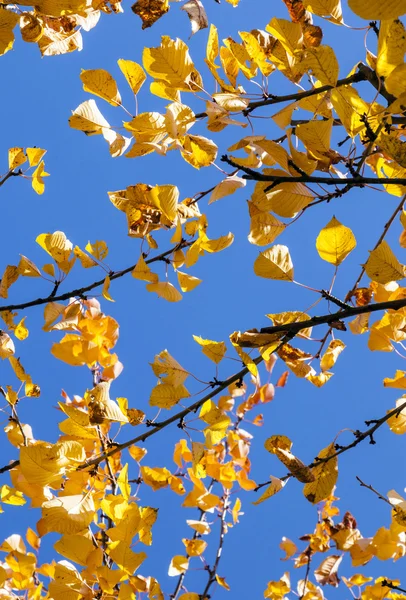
x=277, y=179
x=80, y=292
x=346, y=313
x=355, y=78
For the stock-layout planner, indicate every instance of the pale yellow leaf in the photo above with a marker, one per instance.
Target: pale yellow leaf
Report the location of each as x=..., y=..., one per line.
x=275, y=263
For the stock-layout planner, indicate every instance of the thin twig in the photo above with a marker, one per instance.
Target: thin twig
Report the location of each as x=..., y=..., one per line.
x=223, y=530
x=380, y=240
x=360, y=436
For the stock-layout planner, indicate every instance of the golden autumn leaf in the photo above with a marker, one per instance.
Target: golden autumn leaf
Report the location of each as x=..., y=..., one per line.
x=275, y=263
x=170, y=62
x=391, y=9
x=325, y=477
x=335, y=242
x=8, y=20
x=165, y=290
x=100, y=83
x=213, y=350
x=134, y=74
x=383, y=266
x=16, y=157
x=273, y=488
x=322, y=63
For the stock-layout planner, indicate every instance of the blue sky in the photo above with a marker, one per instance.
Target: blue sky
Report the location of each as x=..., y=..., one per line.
x=38, y=97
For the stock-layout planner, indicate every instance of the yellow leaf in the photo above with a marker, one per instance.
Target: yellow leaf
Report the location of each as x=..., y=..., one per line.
x=398, y=381
x=264, y=229
x=289, y=34
x=43, y=463
x=274, y=263
x=394, y=146
x=397, y=423
x=166, y=198
x=376, y=10
x=16, y=157
x=198, y=151
x=325, y=477
x=335, y=242
x=391, y=47
x=383, y=266
x=35, y=155
x=86, y=261
x=194, y=547
x=9, y=277
x=99, y=249
x=280, y=446
x=322, y=63
x=187, y=282
x=273, y=488
x=21, y=332
x=325, y=8
x=122, y=482
x=75, y=547
x=37, y=178
x=100, y=83
x=156, y=477
x=11, y=496
x=66, y=514
x=87, y=118
x=221, y=581
x=226, y=187
x=143, y=272
x=19, y=369
x=289, y=547
x=165, y=290
x=217, y=245
x=134, y=74
x=56, y=245
x=179, y=564
x=102, y=409
x=27, y=268
x=168, y=369
x=171, y=62
x=213, y=350
x=8, y=20
x=105, y=290
x=166, y=396
x=316, y=135
x=330, y=356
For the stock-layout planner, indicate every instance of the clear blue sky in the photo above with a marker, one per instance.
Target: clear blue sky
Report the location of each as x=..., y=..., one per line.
x=38, y=96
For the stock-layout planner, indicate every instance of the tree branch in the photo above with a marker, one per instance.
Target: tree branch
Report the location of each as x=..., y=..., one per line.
x=10, y=174
x=346, y=313
x=355, y=78
x=81, y=291
x=360, y=181
x=360, y=436
x=223, y=530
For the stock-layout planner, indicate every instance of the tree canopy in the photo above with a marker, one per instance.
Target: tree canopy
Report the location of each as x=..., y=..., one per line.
x=228, y=408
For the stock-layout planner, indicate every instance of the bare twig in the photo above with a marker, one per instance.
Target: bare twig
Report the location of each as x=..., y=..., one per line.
x=380, y=240
x=360, y=436
x=223, y=530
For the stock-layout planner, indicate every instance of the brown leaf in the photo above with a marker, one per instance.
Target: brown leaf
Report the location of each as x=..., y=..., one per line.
x=197, y=15
x=150, y=11
x=326, y=573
